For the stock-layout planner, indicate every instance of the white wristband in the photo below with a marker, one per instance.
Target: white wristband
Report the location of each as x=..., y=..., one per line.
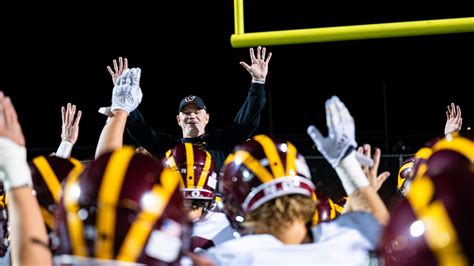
x=259, y=81
x=16, y=172
x=351, y=175
x=64, y=149
x=106, y=111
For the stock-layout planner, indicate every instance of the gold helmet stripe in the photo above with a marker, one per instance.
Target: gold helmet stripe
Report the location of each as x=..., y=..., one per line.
x=47, y=217
x=141, y=228
x=439, y=231
x=49, y=177
x=253, y=165
x=272, y=155
x=74, y=223
x=291, y=160
x=174, y=167
x=459, y=144
x=400, y=178
x=109, y=193
x=205, y=171
x=189, y=165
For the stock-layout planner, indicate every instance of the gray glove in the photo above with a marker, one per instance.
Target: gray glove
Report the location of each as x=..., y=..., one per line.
x=127, y=94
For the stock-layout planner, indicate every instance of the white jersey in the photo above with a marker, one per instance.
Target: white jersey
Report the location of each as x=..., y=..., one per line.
x=211, y=230
x=63, y=260
x=361, y=223
x=227, y=252
x=347, y=240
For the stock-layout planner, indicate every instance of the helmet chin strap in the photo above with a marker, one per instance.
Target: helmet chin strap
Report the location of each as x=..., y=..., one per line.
x=210, y=205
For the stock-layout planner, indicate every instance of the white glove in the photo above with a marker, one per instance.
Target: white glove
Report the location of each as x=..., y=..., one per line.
x=339, y=147
x=341, y=135
x=127, y=94
x=341, y=138
x=14, y=170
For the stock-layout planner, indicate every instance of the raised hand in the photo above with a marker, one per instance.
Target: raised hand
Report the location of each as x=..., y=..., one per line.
x=9, y=126
x=70, y=127
x=127, y=94
x=376, y=181
x=338, y=148
x=13, y=167
x=341, y=128
x=453, y=119
x=118, y=68
x=259, y=65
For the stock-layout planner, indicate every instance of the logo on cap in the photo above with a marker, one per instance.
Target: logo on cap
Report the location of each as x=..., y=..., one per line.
x=189, y=98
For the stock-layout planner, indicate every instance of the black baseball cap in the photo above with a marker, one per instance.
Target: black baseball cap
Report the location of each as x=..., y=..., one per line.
x=192, y=99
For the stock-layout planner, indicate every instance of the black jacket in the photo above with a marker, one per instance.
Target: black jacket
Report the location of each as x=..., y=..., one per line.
x=219, y=143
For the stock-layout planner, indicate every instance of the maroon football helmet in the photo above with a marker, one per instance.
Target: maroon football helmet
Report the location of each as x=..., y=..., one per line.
x=326, y=208
x=411, y=166
x=126, y=206
x=405, y=174
x=4, y=231
x=196, y=168
x=433, y=224
x=48, y=173
x=259, y=170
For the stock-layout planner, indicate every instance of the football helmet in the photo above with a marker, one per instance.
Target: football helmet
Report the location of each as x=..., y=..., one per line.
x=259, y=170
x=433, y=223
x=196, y=168
x=126, y=206
x=4, y=230
x=326, y=208
x=405, y=174
x=48, y=173
x=410, y=167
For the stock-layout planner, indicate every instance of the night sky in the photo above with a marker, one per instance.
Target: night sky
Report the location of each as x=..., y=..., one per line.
x=396, y=87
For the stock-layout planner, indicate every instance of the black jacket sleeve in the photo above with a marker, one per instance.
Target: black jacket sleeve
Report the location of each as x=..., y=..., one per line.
x=248, y=117
x=246, y=121
x=143, y=135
